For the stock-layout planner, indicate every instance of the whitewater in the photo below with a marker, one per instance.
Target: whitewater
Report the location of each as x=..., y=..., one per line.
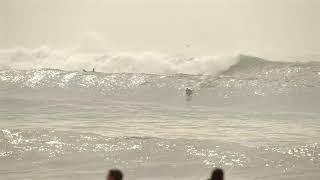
x=256, y=118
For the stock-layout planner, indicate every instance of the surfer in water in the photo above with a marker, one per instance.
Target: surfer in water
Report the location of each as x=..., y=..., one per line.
x=188, y=92
x=93, y=70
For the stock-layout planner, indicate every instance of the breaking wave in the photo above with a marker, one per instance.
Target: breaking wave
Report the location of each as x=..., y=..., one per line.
x=111, y=62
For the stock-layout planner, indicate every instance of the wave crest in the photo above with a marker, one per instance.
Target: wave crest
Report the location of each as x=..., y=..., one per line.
x=114, y=62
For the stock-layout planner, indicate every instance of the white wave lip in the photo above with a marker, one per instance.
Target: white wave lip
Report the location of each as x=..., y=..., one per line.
x=114, y=62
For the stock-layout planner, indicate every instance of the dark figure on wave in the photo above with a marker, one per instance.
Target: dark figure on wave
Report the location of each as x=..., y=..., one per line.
x=188, y=92
x=93, y=70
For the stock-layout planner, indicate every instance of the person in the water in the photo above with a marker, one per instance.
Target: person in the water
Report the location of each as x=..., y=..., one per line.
x=217, y=174
x=114, y=174
x=188, y=92
x=93, y=70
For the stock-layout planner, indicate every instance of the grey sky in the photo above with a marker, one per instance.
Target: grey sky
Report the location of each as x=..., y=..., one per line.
x=208, y=26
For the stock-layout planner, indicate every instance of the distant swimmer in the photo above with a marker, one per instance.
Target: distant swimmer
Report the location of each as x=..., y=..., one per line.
x=93, y=70
x=188, y=92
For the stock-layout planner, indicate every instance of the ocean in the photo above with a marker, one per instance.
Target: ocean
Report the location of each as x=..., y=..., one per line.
x=255, y=118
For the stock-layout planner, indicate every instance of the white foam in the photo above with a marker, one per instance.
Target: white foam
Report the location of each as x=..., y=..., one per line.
x=113, y=62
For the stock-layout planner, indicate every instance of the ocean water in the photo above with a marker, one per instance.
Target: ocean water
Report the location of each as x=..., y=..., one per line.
x=255, y=118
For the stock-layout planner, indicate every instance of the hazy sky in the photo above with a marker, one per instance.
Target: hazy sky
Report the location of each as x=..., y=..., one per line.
x=208, y=26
